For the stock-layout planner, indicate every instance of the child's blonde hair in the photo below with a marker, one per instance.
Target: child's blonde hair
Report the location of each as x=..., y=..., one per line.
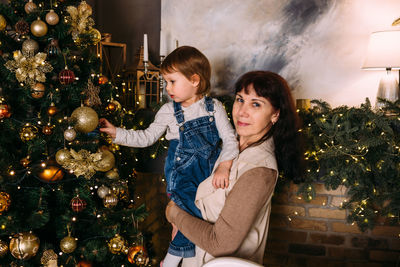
x=189, y=61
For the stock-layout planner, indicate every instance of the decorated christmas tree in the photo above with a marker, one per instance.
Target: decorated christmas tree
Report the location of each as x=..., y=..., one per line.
x=66, y=192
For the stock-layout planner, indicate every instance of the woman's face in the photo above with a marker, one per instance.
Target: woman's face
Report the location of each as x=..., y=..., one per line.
x=253, y=115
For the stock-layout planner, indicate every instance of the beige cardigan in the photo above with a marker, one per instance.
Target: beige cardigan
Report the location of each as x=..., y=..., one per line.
x=211, y=201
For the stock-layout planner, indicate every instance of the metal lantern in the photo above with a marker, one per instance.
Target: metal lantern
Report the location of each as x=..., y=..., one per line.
x=142, y=86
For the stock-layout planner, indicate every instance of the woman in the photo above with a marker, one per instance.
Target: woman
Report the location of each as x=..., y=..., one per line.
x=236, y=219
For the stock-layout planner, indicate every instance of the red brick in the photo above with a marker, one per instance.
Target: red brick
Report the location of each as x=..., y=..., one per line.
x=337, y=201
x=317, y=238
x=292, y=236
x=395, y=244
x=385, y=256
x=346, y=254
x=362, y=264
x=277, y=246
x=277, y=220
x=288, y=210
x=327, y=213
x=321, y=189
x=308, y=224
x=389, y=231
x=307, y=249
x=366, y=242
x=280, y=198
x=345, y=228
x=272, y=259
x=318, y=200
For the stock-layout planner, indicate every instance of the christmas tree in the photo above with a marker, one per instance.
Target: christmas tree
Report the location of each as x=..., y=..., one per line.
x=66, y=192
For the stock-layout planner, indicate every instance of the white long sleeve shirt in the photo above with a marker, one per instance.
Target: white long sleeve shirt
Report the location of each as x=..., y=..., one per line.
x=165, y=121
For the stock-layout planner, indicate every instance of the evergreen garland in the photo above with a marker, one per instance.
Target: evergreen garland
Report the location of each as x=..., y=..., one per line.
x=358, y=148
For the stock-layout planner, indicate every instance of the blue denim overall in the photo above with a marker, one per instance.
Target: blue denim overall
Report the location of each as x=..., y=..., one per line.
x=189, y=161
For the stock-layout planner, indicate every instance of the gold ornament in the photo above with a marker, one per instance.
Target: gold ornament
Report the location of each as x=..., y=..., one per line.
x=85, y=118
x=29, y=47
x=69, y=134
x=102, y=191
x=25, y=161
x=68, y=244
x=5, y=202
x=95, y=36
x=49, y=258
x=92, y=94
x=3, y=23
x=82, y=163
x=112, y=174
x=79, y=19
x=134, y=252
x=39, y=28
x=29, y=69
x=28, y=132
x=84, y=8
x=51, y=174
x=3, y=248
x=52, y=17
x=110, y=200
x=116, y=244
x=62, y=155
x=52, y=110
x=24, y=245
x=120, y=189
x=107, y=161
x=30, y=7
x=37, y=91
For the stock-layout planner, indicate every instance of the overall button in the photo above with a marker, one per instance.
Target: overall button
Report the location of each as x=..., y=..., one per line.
x=178, y=158
x=211, y=119
x=181, y=128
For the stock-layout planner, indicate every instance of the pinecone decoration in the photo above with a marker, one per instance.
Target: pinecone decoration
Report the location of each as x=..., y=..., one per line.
x=22, y=27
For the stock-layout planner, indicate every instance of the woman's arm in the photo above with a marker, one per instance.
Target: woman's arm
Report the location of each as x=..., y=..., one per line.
x=241, y=208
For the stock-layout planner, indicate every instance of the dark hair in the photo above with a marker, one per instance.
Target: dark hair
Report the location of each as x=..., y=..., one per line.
x=189, y=61
x=287, y=140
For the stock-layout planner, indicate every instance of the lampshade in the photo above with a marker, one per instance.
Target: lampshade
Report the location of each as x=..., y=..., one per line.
x=383, y=50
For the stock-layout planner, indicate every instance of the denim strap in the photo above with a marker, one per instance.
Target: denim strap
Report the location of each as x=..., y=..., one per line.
x=178, y=113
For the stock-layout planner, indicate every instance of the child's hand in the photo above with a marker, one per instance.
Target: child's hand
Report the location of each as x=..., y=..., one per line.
x=108, y=128
x=221, y=175
x=174, y=231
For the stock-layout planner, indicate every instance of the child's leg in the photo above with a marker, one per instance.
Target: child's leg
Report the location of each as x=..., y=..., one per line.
x=170, y=261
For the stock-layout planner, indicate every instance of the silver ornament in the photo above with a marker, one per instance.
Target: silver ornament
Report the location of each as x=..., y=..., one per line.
x=29, y=48
x=103, y=191
x=69, y=134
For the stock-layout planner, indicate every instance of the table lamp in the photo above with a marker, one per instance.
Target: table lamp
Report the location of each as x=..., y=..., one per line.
x=384, y=53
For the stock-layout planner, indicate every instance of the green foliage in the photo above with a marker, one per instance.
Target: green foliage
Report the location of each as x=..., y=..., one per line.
x=358, y=148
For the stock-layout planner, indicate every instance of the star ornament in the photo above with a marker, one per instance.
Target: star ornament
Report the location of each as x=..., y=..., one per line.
x=29, y=69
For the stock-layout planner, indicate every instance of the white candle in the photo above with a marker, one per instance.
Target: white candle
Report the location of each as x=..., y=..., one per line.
x=162, y=44
x=146, y=50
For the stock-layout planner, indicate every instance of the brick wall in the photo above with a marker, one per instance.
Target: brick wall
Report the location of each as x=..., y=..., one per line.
x=301, y=233
x=316, y=232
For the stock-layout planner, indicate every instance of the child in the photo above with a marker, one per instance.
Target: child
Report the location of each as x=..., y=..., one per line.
x=194, y=124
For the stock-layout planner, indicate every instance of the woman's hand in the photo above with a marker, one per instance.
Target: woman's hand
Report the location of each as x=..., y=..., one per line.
x=108, y=128
x=168, y=210
x=221, y=175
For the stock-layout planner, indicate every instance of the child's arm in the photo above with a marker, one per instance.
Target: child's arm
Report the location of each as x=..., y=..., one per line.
x=221, y=174
x=108, y=128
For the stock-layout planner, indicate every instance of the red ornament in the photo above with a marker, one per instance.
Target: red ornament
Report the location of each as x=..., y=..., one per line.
x=103, y=80
x=66, y=76
x=4, y=111
x=78, y=204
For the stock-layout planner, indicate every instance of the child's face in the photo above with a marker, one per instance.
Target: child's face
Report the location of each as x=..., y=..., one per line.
x=180, y=89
